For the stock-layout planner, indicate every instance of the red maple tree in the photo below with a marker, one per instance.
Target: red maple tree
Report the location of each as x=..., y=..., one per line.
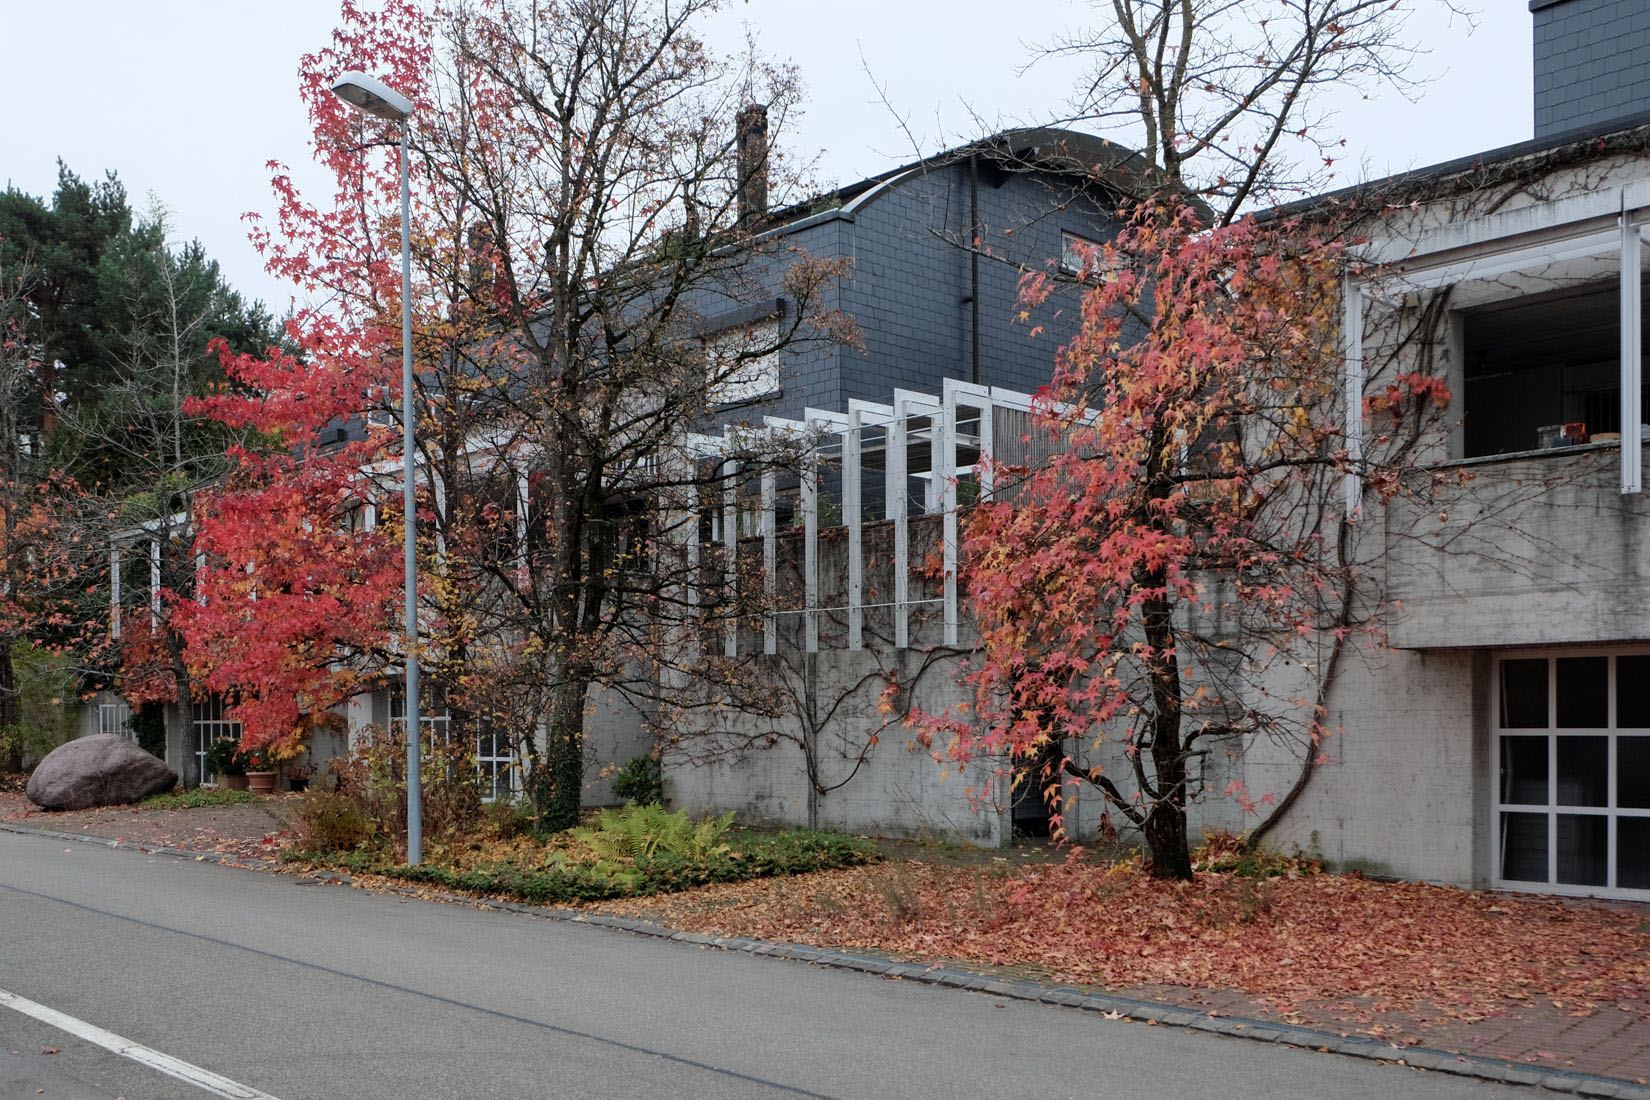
x=1174, y=582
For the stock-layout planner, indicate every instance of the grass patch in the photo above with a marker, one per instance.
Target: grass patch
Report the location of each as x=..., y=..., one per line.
x=566, y=870
x=195, y=799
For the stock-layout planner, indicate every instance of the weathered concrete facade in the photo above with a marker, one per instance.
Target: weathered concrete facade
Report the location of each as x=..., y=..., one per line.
x=1524, y=573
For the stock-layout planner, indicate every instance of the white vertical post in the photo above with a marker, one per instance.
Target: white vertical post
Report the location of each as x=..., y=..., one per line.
x=852, y=517
x=154, y=584
x=988, y=444
x=1632, y=408
x=693, y=545
x=944, y=464
x=523, y=504
x=770, y=563
x=1353, y=338
x=810, y=552
x=438, y=485
x=114, y=589
x=730, y=541
x=898, y=506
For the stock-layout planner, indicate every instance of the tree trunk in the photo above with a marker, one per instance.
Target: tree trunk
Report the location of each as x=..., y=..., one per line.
x=11, y=745
x=1166, y=840
x=558, y=779
x=1165, y=827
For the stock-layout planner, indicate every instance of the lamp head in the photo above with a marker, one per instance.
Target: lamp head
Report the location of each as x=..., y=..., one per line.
x=372, y=96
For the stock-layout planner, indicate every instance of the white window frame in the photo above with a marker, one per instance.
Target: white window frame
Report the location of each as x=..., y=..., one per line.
x=116, y=718
x=431, y=724
x=211, y=726
x=751, y=380
x=498, y=764
x=490, y=766
x=1552, y=809
x=1074, y=251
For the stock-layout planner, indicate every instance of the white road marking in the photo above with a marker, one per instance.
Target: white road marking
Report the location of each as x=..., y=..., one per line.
x=214, y=1083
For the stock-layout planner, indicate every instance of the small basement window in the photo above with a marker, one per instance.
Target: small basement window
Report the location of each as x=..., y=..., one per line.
x=1543, y=370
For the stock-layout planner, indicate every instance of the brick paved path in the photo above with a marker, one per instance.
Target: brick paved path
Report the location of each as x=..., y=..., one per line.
x=1609, y=1040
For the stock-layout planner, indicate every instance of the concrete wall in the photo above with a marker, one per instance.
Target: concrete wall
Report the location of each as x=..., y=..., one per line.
x=868, y=773
x=1531, y=551
x=1398, y=789
x=751, y=754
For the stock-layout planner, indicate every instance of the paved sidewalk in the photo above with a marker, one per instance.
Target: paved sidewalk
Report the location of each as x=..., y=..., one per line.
x=1607, y=1040
x=1596, y=1050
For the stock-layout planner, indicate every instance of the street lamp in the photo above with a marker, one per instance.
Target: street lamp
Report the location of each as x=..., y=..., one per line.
x=377, y=98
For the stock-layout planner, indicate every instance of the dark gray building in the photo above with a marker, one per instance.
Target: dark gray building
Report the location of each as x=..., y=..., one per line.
x=1592, y=62
x=929, y=302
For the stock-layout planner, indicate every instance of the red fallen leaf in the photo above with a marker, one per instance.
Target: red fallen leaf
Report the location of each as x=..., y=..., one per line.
x=1545, y=1054
x=49, y=1050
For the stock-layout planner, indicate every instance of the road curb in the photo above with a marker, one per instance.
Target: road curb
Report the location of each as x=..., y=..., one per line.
x=1111, y=1006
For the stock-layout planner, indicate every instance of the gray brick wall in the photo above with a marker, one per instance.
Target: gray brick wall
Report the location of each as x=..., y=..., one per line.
x=1592, y=62
x=909, y=286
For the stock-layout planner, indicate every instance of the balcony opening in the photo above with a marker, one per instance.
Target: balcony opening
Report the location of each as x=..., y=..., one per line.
x=1543, y=371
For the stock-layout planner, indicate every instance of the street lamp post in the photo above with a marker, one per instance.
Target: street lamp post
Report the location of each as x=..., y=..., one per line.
x=377, y=98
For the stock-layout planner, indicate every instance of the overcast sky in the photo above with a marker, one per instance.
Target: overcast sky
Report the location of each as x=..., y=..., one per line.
x=188, y=99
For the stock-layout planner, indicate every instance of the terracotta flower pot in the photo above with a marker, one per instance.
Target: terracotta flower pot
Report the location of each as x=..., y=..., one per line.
x=260, y=782
x=232, y=782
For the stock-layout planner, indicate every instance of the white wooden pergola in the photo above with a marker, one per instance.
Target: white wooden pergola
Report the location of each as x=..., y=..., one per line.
x=917, y=437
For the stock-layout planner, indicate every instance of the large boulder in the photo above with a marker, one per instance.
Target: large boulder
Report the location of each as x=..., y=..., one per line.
x=103, y=770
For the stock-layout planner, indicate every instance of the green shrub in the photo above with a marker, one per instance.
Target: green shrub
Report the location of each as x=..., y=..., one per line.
x=149, y=724
x=224, y=757
x=641, y=780
x=195, y=799
x=796, y=852
x=641, y=832
x=46, y=685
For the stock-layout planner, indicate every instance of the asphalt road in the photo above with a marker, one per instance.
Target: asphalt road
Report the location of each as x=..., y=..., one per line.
x=326, y=992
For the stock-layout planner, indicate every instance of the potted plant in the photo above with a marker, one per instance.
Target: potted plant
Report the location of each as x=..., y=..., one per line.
x=260, y=770
x=224, y=757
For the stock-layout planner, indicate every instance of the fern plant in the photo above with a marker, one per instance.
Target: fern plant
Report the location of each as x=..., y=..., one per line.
x=645, y=831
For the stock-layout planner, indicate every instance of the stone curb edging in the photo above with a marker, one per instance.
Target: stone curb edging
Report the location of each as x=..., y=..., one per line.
x=1107, y=1004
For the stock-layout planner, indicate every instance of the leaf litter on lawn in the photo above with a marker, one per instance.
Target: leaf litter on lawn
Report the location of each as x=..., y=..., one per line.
x=1363, y=945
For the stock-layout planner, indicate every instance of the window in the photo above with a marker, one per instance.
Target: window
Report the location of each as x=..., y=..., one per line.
x=1076, y=253
x=1572, y=752
x=743, y=362
x=1542, y=371
x=211, y=726
x=497, y=768
x=431, y=724
x=496, y=759
x=116, y=718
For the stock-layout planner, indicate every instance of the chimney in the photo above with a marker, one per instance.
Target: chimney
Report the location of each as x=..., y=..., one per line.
x=1589, y=67
x=751, y=130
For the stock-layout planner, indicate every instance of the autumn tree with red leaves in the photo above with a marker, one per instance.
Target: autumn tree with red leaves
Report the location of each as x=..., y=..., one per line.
x=1179, y=580
x=582, y=212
